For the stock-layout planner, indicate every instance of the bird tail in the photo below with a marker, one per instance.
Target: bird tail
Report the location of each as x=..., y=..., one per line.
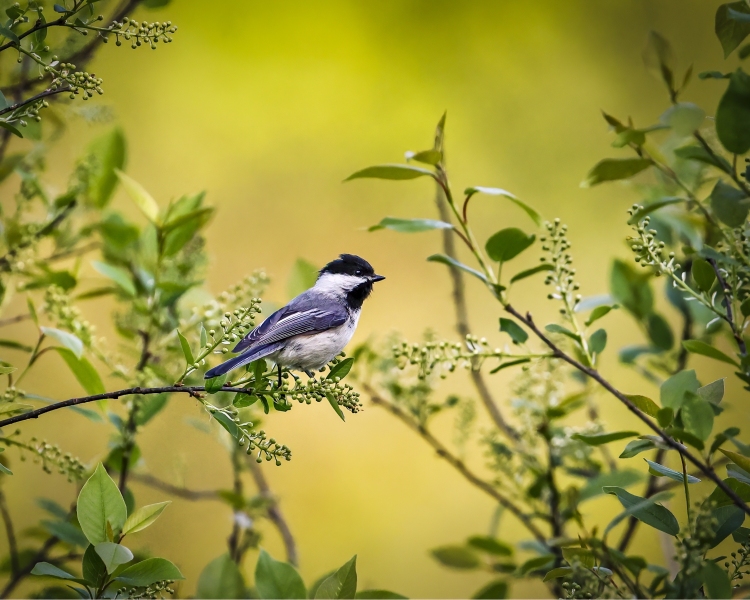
x=242, y=359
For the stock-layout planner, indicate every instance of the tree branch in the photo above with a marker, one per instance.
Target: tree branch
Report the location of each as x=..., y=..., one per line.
x=703, y=467
x=15, y=566
x=457, y=464
x=38, y=557
x=174, y=490
x=274, y=512
x=193, y=391
x=728, y=306
x=40, y=96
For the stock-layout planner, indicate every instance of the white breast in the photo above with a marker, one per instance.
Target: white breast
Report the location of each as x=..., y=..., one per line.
x=312, y=351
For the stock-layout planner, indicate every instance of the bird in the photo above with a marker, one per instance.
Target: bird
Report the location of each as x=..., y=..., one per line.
x=314, y=327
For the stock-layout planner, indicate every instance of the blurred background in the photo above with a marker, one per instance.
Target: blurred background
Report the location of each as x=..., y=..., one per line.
x=268, y=107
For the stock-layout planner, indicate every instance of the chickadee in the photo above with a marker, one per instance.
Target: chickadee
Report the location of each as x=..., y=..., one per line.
x=314, y=327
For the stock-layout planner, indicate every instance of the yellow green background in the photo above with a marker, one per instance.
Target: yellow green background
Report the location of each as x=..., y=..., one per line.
x=269, y=106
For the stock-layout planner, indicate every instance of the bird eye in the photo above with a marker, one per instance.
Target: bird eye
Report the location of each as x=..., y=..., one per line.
x=358, y=272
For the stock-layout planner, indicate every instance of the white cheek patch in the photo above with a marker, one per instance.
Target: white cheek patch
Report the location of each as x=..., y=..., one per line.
x=338, y=283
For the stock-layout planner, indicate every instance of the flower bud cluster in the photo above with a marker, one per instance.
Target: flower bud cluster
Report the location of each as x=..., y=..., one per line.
x=692, y=548
x=50, y=456
x=318, y=389
x=78, y=81
x=155, y=590
x=140, y=32
x=269, y=449
x=444, y=357
x=740, y=562
x=562, y=275
x=245, y=293
x=58, y=307
x=649, y=252
x=232, y=326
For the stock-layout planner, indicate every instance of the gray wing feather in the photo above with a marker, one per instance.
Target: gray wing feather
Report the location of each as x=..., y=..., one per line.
x=305, y=314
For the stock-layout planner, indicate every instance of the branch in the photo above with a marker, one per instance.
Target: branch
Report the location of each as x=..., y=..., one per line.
x=462, y=317
x=38, y=557
x=15, y=566
x=52, y=225
x=40, y=96
x=457, y=464
x=742, y=185
x=682, y=450
x=174, y=490
x=728, y=305
x=274, y=512
x=16, y=319
x=193, y=391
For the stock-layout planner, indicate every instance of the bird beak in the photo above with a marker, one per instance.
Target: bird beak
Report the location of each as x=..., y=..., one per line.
x=375, y=278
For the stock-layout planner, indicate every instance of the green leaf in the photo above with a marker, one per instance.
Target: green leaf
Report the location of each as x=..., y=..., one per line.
x=684, y=118
x=508, y=243
x=394, y=172
x=659, y=58
x=494, y=589
x=555, y=328
x=535, y=216
x=113, y=555
x=644, y=404
x=685, y=436
x=215, y=384
x=10, y=34
x=276, y=579
x=221, y=578
x=733, y=114
x=703, y=274
x=303, y=276
x=410, y=225
x=730, y=204
x=68, y=340
x=728, y=520
x=665, y=416
x=120, y=276
x=697, y=416
x=636, y=447
x=598, y=341
x=598, y=313
x=730, y=26
x=378, y=594
x=662, y=471
x=704, y=349
x=718, y=497
x=603, y=438
x=581, y=555
x=612, y=169
x=7, y=126
x=514, y=330
x=342, y=584
x=108, y=154
x=631, y=289
x=93, y=568
x=67, y=532
x=738, y=459
x=673, y=390
x=511, y=363
x=227, y=423
x=452, y=262
x=186, y=351
x=645, y=510
x=149, y=571
x=144, y=517
x=428, y=157
x=335, y=405
x=456, y=557
x=716, y=580
x=140, y=197
x=537, y=563
x=533, y=271
x=15, y=345
x=659, y=331
x=490, y=545
x=558, y=573
x=5, y=370
x=45, y=569
x=100, y=504
x=700, y=154
x=619, y=478
x=342, y=369
x=83, y=371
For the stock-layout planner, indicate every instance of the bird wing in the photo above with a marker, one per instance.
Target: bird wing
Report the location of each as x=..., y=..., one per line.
x=294, y=319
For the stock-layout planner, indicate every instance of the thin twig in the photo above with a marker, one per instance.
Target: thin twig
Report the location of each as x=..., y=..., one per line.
x=22, y=573
x=16, y=319
x=733, y=174
x=274, y=512
x=174, y=490
x=40, y=96
x=457, y=463
x=596, y=376
x=193, y=391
